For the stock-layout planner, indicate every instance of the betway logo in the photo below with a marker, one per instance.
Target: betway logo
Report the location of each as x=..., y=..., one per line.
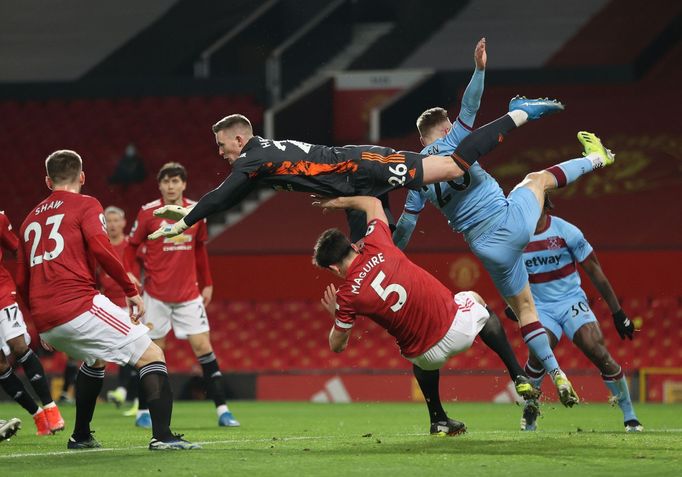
x=537, y=261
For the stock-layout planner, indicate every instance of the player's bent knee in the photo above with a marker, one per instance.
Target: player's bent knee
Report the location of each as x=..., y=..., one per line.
x=152, y=353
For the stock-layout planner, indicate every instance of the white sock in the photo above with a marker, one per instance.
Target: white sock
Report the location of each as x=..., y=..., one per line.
x=220, y=410
x=596, y=159
x=49, y=405
x=519, y=117
x=40, y=409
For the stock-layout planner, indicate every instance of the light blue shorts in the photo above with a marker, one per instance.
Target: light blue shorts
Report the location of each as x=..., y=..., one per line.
x=566, y=317
x=500, y=247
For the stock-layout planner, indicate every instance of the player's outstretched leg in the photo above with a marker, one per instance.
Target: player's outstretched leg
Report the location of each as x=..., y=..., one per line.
x=441, y=424
x=35, y=373
x=88, y=386
x=13, y=386
x=590, y=340
x=8, y=428
x=486, y=138
x=494, y=337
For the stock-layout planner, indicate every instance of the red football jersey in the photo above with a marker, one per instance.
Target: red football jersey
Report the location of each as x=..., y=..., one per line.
x=8, y=291
x=384, y=285
x=169, y=263
x=108, y=285
x=54, y=246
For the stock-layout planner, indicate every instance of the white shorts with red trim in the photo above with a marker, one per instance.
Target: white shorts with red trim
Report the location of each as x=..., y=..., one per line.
x=104, y=332
x=12, y=324
x=186, y=318
x=469, y=320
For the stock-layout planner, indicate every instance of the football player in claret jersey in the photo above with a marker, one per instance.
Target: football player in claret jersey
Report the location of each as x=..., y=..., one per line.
x=178, y=285
x=56, y=279
x=497, y=227
x=14, y=341
x=429, y=324
x=550, y=258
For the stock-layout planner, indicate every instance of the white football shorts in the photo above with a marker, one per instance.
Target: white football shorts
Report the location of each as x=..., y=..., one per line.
x=469, y=320
x=186, y=318
x=104, y=332
x=12, y=324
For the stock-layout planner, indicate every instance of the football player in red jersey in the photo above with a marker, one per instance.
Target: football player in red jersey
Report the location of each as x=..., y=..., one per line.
x=178, y=285
x=14, y=340
x=56, y=279
x=429, y=324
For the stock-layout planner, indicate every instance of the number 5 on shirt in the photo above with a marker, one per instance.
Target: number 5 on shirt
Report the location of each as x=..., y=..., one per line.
x=392, y=288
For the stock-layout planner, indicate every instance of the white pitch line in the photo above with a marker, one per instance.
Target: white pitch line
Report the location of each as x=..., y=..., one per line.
x=285, y=439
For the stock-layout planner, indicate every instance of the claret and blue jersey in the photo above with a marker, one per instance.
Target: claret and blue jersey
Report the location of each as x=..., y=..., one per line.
x=551, y=259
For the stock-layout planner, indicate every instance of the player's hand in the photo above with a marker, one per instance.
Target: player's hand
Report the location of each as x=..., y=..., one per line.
x=510, y=314
x=169, y=230
x=328, y=202
x=136, y=306
x=207, y=294
x=329, y=299
x=624, y=325
x=480, y=55
x=172, y=212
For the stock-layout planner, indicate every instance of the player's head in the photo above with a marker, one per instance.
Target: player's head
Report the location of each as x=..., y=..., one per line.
x=64, y=170
x=172, y=179
x=334, y=251
x=231, y=134
x=116, y=221
x=433, y=124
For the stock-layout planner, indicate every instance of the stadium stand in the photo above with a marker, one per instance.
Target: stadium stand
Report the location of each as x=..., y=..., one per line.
x=163, y=129
x=30, y=52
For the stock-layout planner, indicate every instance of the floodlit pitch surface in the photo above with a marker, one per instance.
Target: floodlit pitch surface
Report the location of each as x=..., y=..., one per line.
x=368, y=439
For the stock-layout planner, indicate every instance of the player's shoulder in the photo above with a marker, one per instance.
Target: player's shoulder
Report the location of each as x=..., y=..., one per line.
x=155, y=204
x=562, y=225
x=186, y=202
x=87, y=200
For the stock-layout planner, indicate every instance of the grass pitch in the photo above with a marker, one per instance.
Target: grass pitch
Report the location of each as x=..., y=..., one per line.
x=372, y=439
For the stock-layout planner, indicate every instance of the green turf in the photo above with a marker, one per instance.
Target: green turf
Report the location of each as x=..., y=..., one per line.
x=361, y=439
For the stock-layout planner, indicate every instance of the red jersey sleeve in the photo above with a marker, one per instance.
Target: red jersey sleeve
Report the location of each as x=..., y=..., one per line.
x=92, y=220
x=345, y=313
x=7, y=238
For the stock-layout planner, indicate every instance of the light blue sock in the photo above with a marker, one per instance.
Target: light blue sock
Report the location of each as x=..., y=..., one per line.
x=536, y=339
x=569, y=171
x=618, y=385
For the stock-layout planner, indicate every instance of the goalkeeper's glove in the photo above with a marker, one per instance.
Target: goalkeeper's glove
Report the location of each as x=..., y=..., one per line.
x=624, y=326
x=172, y=212
x=169, y=230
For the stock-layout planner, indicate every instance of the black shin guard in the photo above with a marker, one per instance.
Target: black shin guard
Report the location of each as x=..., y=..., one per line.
x=36, y=376
x=213, y=377
x=428, y=383
x=132, y=383
x=15, y=389
x=88, y=386
x=155, y=388
x=481, y=141
x=494, y=337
